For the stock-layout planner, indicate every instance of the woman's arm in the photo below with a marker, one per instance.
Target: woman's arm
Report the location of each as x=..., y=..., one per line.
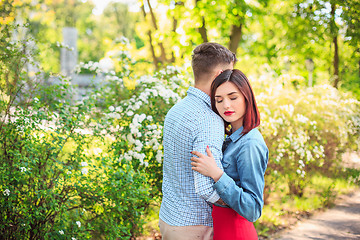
x=206, y=165
x=246, y=199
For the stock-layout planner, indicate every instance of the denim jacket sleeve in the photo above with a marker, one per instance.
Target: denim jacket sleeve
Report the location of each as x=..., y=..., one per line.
x=246, y=198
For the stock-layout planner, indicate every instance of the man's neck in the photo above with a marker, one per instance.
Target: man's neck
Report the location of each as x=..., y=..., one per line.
x=205, y=89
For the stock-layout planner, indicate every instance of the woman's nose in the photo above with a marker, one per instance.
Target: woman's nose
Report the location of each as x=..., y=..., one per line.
x=226, y=103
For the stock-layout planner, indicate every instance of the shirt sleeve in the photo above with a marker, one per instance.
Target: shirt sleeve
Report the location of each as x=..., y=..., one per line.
x=210, y=132
x=246, y=199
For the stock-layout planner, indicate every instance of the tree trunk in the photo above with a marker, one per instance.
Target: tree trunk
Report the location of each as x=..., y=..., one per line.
x=202, y=30
x=336, y=62
x=359, y=61
x=235, y=37
x=162, y=49
x=174, y=27
x=152, y=49
x=334, y=32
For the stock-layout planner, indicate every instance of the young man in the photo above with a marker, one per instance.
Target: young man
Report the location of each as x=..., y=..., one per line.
x=191, y=125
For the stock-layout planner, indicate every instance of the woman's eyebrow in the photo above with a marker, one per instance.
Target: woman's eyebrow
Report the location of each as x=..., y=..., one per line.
x=227, y=94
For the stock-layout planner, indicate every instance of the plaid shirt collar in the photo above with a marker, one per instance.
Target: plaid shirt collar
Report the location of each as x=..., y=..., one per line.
x=199, y=94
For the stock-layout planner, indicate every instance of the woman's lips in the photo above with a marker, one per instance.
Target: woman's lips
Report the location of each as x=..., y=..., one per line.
x=228, y=113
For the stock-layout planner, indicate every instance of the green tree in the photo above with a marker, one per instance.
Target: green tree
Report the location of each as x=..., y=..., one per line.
x=328, y=21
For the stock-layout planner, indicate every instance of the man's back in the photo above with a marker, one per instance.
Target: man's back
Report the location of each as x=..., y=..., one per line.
x=189, y=125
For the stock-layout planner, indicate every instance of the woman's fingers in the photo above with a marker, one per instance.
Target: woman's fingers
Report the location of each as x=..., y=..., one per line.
x=195, y=169
x=197, y=153
x=208, y=152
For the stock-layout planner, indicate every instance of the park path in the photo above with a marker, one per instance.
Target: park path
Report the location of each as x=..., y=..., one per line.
x=340, y=222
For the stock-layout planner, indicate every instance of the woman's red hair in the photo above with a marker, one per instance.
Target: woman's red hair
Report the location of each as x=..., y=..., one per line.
x=252, y=115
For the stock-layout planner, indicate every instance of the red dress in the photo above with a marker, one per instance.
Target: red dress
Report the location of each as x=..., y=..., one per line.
x=229, y=225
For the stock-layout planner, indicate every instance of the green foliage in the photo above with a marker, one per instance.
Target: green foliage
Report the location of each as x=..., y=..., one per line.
x=137, y=123
x=55, y=180
x=306, y=129
x=52, y=185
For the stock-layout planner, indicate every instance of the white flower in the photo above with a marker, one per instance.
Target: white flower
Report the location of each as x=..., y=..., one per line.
x=114, y=115
x=78, y=223
x=159, y=155
x=84, y=171
x=139, y=144
x=130, y=113
x=142, y=117
x=61, y=232
x=36, y=99
x=23, y=169
x=73, y=238
x=83, y=164
x=130, y=139
x=68, y=172
x=127, y=157
x=111, y=108
x=97, y=151
x=106, y=64
x=6, y=192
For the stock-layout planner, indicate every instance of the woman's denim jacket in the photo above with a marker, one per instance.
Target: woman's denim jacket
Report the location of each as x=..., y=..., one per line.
x=242, y=184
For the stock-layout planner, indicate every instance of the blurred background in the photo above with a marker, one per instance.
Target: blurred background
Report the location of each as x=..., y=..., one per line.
x=85, y=87
x=313, y=38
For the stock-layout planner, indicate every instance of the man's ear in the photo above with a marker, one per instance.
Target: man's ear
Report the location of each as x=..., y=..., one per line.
x=218, y=73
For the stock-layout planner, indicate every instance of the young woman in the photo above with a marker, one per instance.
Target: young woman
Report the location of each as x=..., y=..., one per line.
x=241, y=184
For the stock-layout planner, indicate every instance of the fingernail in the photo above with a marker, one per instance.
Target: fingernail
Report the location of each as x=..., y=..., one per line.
x=191, y=152
x=207, y=147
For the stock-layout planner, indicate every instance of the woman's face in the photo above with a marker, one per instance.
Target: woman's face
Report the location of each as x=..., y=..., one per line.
x=230, y=103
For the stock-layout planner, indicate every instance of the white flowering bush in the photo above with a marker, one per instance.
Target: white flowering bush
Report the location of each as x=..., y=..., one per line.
x=135, y=124
x=56, y=181
x=116, y=69
x=306, y=129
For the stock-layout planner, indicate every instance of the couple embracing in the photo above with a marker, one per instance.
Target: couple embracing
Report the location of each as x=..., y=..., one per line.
x=213, y=188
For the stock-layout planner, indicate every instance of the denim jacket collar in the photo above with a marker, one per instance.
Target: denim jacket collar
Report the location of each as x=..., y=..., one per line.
x=237, y=134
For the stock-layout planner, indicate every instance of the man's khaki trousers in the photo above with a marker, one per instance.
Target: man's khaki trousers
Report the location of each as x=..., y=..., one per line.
x=198, y=232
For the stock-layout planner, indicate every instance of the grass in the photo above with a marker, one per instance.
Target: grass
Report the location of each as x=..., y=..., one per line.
x=284, y=210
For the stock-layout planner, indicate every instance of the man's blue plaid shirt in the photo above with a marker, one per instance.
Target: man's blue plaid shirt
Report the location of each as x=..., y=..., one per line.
x=190, y=125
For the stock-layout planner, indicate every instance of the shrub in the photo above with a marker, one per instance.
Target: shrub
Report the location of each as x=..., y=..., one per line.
x=56, y=181
x=306, y=129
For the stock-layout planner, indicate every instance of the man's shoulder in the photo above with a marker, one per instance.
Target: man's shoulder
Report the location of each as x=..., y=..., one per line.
x=192, y=107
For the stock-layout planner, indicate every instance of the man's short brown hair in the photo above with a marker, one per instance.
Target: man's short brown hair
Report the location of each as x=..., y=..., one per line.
x=208, y=55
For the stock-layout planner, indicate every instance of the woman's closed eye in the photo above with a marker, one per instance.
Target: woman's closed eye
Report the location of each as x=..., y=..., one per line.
x=233, y=98
x=218, y=100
